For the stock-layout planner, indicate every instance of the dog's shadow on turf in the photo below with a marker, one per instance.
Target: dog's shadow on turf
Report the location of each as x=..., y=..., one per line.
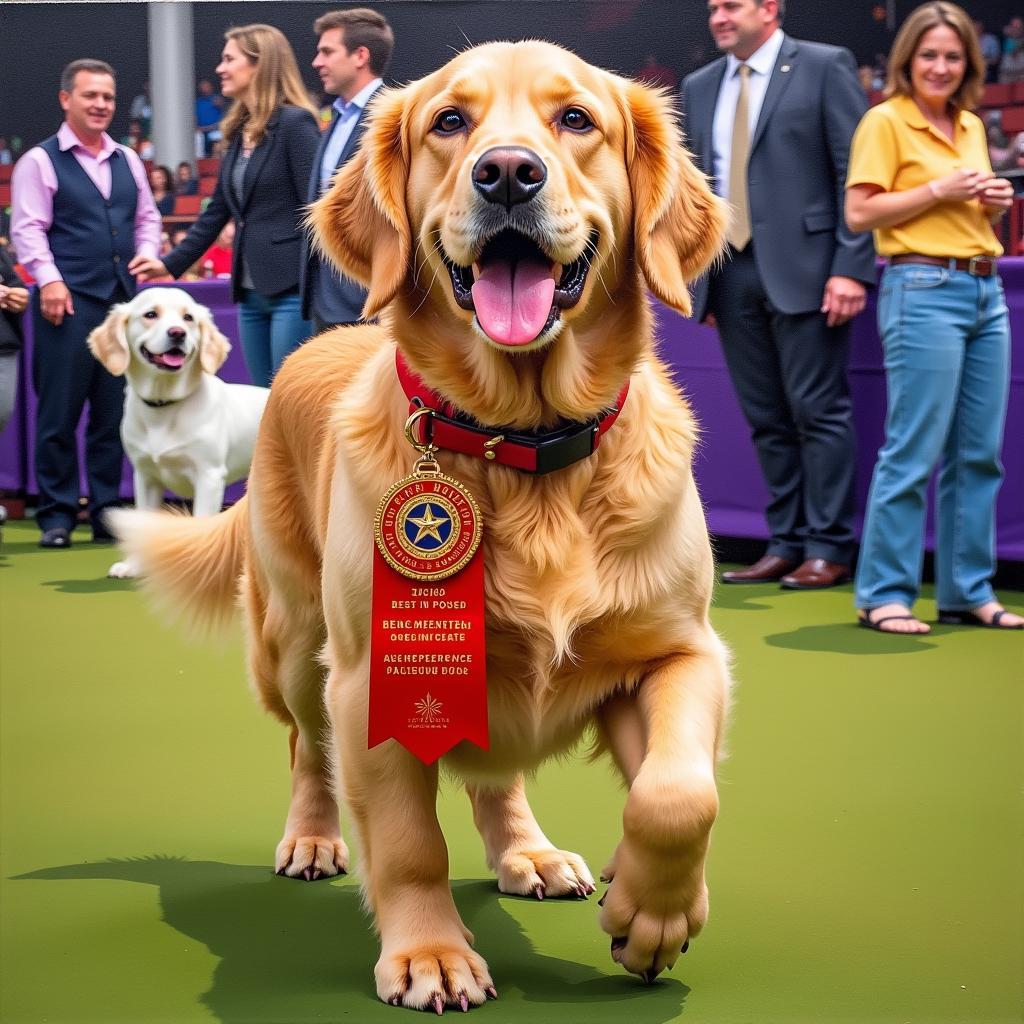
x=297, y=951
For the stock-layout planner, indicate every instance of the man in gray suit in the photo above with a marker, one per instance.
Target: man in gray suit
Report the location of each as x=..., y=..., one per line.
x=353, y=51
x=771, y=123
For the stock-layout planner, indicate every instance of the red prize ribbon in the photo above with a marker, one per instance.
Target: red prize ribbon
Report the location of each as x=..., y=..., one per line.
x=428, y=662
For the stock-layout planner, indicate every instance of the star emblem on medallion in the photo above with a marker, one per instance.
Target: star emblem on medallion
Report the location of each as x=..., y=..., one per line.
x=429, y=525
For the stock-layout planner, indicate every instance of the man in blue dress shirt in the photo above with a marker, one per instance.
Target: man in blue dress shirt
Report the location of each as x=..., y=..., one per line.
x=353, y=51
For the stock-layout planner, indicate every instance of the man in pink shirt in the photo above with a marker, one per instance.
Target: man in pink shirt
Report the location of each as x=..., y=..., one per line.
x=81, y=210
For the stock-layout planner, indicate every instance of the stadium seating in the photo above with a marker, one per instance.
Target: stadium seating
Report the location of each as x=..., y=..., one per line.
x=187, y=206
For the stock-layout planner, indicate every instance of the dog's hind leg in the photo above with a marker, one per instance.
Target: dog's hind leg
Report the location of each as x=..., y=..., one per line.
x=284, y=644
x=524, y=859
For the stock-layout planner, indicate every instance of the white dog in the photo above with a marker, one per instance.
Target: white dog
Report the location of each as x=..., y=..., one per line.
x=184, y=429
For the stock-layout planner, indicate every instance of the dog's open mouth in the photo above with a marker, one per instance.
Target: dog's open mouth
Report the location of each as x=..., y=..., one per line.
x=173, y=359
x=516, y=290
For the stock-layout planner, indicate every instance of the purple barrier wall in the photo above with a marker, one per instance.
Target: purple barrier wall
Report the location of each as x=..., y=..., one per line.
x=730, y=480
x=727, y=471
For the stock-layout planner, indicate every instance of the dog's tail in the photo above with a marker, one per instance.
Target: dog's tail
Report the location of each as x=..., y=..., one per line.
x=191, y=565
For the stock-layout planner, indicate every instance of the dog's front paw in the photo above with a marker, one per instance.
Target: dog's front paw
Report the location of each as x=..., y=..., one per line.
x=434, y=976
x=122, y=571
x=311, y=857
x=652, y=912
x=544, y=872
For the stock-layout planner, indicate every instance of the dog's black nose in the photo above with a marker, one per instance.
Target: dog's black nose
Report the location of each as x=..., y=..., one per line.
x=176, y=333
x=509, y=175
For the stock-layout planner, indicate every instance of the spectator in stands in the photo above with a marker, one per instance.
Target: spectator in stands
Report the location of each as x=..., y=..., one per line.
x=920, y=178
x=162, y=185
x=354, y=47
x=186, y=183
x=991, y=50
x=136, y=139
x=6, y=156
x=656, y=73
x=209, y=107
x=771, y=122
x=216, y=261
x=273, y=136
x=866, y=77
x=141, y=110
x=13, y=300
x=82, y=210
x=1011, y=67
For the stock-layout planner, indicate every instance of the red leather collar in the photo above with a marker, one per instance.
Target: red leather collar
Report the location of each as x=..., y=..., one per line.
x=531, y=452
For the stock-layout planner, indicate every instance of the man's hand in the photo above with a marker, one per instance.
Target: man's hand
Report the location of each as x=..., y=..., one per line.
x=709, y=320
x=13, y=299
x=146, y=268
x=843, y=300
x=55, y=302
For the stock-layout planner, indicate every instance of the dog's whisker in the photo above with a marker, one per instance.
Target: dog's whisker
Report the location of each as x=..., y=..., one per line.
x=426, y=256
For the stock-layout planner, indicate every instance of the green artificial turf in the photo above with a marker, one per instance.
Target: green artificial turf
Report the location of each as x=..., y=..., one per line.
x=867, y=865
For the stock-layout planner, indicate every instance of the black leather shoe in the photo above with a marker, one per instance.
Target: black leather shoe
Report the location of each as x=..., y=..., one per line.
x=768, y=569
x=57, y=537
x=101, y=535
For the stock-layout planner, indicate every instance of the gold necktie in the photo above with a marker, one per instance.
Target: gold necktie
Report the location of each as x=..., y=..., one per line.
x=739, y=227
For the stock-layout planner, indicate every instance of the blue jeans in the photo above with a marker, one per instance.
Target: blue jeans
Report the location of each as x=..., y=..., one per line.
x=270, y=328
x=946, y=336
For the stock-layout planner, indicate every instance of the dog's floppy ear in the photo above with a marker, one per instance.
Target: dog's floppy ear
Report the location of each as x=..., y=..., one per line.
x=678, y=223
x=361, y=222
x=213, y=346
x=109, y=342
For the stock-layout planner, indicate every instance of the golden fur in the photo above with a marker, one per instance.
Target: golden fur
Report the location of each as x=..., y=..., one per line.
x=598, y=576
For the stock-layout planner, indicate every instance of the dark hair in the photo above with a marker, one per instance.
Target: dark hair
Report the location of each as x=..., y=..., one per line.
x=98, y=67
x=361, y=27
x=781, y=6
x=168, y=177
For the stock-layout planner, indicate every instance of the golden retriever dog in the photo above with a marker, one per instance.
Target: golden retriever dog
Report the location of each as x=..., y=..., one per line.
x=506, y=213
x=183, y=429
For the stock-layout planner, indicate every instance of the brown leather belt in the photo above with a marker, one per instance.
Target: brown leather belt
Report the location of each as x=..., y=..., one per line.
x=979, y=266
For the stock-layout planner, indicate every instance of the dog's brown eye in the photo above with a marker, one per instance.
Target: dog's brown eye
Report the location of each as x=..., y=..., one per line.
x=188, y=318
x=448, y=122
x=150, y=314
x=576, y=120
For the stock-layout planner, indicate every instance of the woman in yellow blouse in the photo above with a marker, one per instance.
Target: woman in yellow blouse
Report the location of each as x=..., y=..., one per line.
x=920, y=178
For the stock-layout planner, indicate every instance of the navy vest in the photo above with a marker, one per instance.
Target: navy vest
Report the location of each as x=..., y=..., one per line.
x=92, y=239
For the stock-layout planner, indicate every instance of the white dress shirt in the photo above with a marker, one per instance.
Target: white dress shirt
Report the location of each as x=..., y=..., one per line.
x=342, y=127
x=761, y=63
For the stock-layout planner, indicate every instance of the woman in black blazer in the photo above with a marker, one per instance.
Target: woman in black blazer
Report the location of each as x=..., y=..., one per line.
x=273, y=135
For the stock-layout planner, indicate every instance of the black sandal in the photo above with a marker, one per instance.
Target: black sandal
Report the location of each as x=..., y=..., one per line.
x=867, y=622
x=972, y=619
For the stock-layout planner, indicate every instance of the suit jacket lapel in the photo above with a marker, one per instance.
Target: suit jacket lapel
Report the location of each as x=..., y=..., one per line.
x=257, y=160
x=706, y=123
x=230, y=159
x=313, y=192
x=776, y=87
x=353, y=139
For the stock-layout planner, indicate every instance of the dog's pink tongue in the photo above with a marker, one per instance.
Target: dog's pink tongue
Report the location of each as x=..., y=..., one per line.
x=513, y=300
x=173, y=359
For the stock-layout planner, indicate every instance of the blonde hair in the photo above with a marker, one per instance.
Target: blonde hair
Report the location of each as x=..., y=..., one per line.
x=277, y=82
x=922, y=20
